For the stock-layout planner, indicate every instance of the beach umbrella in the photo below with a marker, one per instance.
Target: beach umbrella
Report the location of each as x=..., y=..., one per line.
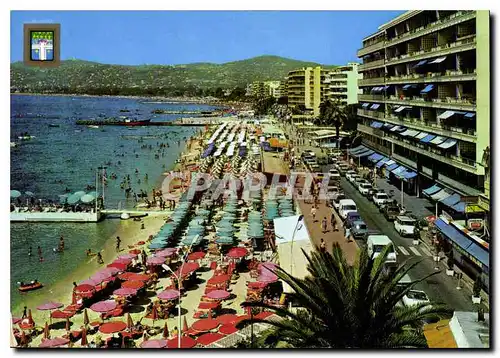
x=216, y=280
x=209, y=338
x=237, y=252
x=124, y=292
x=188, y=268
x=85, y=289
x=79, y=193
x=228, y=329
x=52, y=343
x=29, y=193
x=86, y=320
x=112, y=327
x=73, y=199
x=155, y=261
x=15, y=194
x=49, y=306
x=158, y=245
x=84, y=337
x=63, y=198
x=46, y=331
x=133, y=284
x=127, y=256
x=185, y=326
x=118, y=265
x=168, y=295
x=154, y=343
x=194, y=256
x=166, y=252
x=104, y=306
x=130, y=322
x=165, y=331
x=218, y=294
x=133, y=276
x=267, y=278
x=205, y=325
x=87, y=198
x=16, y=320
x=61, y=315
x=224, y=240
x=93, y=193
x=227, y=319
x=186, y=342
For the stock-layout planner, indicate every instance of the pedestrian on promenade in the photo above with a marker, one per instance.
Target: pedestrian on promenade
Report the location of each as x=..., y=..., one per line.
x=334, y=222
x=313, y=213
x=118, y=242
x=322, y=246
x=324, y=225
x=348, y=234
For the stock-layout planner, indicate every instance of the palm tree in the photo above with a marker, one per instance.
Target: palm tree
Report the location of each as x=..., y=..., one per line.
x=347, y=306
x=332, y=113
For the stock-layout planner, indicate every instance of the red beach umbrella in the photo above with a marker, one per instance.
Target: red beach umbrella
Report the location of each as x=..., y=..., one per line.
x=86, y=320
x=100, y=276
x=112, y=327
x=169, y=251
x=194, y=256
x=186, y=342
x=46, y=331
x=103, y=306
x=84, y=337
x=226, y=319
x=16, y=320
x=134, y=251
x=127, y=256
x=216, y=280
x=89, y=282
x=185, y=327
x=49, y=306
x=168, y=295
x=52, y=343
x=61, y=314
x=267, y=278
x=205, y=325
x=125, y=261
x=130, y=322
x=124, y=292
x=228, y=329
x=119, y=266
x=165, y=331
x=218, y=295
x=188, y=268
x=84, y=290
x=237, y=252
x=209, y=338
x=133, y=276
x=155, y=260
x=154, y=343
x=133, y=284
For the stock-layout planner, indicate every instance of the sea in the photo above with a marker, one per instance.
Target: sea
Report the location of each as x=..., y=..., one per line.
x=63, y=157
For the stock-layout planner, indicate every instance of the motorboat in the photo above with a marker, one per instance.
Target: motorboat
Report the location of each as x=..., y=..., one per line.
x=125, y=216
x=26, y=137
x=93, y=126
x=33, y=285
x=13, y=144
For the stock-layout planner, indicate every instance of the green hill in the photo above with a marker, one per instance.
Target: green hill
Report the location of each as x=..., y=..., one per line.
x=84, y=77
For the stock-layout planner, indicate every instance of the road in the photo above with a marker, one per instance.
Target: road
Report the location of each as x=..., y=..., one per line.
x=439, y=288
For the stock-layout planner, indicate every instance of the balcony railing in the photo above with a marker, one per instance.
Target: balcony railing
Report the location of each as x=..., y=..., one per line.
x=372, y=64
x=438, y=25
x=371, y=97
x=371, y=81
x=448, y=76
x=445, y=103
x=370, y=114
x=371, y=48
x=458, y=46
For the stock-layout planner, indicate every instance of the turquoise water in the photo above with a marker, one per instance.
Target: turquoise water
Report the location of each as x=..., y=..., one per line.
x=66, y=157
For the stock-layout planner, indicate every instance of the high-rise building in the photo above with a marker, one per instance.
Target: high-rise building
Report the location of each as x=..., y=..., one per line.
x=425, y=100
x=265, y=89
x=343, y=84
x=306, y=88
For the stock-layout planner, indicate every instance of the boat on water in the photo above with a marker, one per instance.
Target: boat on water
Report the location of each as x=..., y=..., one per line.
x=52, y=125
x=13, y=144
x=93, y=126
x=136, y=122
x=26, y=137
x=33, y=285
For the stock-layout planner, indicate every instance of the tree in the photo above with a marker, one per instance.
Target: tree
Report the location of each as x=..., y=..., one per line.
x=263, y=106
x=332, y=113
x=347, y=306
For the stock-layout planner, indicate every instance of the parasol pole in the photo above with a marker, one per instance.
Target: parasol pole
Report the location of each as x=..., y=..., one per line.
x=96, y=185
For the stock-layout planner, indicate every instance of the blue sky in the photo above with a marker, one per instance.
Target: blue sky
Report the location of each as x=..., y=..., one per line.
x=178, y=37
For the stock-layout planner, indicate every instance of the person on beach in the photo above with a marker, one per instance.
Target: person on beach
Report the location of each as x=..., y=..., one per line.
x=322, y=246
x=24, y=312
x=175, y=332
x=99, y=258
x=324, y=224
x=118, y=242
x=313, y=213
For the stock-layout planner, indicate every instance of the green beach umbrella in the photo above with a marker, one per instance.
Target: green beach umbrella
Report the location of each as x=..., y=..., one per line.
x=224, y=240
x=15, y=194
x=79, y=193
x=87, y=198
x=73, y=199
x=29, y=193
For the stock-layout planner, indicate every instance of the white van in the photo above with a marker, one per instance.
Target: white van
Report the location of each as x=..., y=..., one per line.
x=377, y=243
x=405, y=225
x=346, y=206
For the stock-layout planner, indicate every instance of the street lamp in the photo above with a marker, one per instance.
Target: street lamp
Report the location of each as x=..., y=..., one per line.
x=299, y=219
x=179, y=287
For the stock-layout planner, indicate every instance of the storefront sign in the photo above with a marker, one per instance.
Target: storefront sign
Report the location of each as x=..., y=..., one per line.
x=469, y=199
x=475, y=224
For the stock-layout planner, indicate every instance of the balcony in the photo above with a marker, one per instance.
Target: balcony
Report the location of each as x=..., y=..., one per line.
x=371, y=97
x=371, y=48
x=458, y=17
x=371, y=81
x=448, y=76
x=371, y=114
x=370, y=65
x=443, y=50
x=443, y=103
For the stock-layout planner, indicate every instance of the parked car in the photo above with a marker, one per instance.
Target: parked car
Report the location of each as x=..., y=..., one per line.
x=346, y=206
x=353, y=178
x=359, y=181
x=358, y=229
x=332, y=190
x=343, y=167
x=336, y=200
x=350, y=218
x=415, y=297
x=334, y=174
x=376, y=243
x=405, y=225
x=349, y=173
x=380, y=199
x=364, y=188
x=390, y=211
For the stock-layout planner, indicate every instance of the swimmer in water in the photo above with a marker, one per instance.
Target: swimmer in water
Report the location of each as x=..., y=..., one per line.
x=99, y=258
x=29, y=251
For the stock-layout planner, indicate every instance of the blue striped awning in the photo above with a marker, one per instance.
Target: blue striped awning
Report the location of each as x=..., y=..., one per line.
x=469, y=115
x=453, y=234
x=459, y=207
x=398, y=170
x=375, y=157
x=364, y=105
x=451, y=200
x=392, y=166
x=432, y=190
x=376, y=124
x=359, y=147
x=421, y=63
x=409, y=174
x=381, y=162
x=479, y=253
x=428, y=138
x=364, y=153
x=375, y=106
x=427, y=88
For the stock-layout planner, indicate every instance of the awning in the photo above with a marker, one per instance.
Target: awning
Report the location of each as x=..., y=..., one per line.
x=469, y=115
x=395, y=128
x=440, y=195
x=381, y=162
x=427, y=138
x=439, y=60
x=451, y=200
x=448, y=144
x=400, y=109
x=376, y=124
x=363, y=154
x=410, y=133
x=359, y=150
x=459, y=207
x=409, y=174
x=438, y=140
x=364, y=105
x=392, y=166
x=421, y=135
x=398, y=170
x=388, y=126
x=421, y=63
x=390, y=162
x=432, y=190
x=427, y=88
x=479, y=253
x=405, y=87
x=446, y=114
x=375, y=157
x=375, y=106
x=453, y=234
x=356, y=148
x=386, y=87
x=377, y=89
x=401, y=129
